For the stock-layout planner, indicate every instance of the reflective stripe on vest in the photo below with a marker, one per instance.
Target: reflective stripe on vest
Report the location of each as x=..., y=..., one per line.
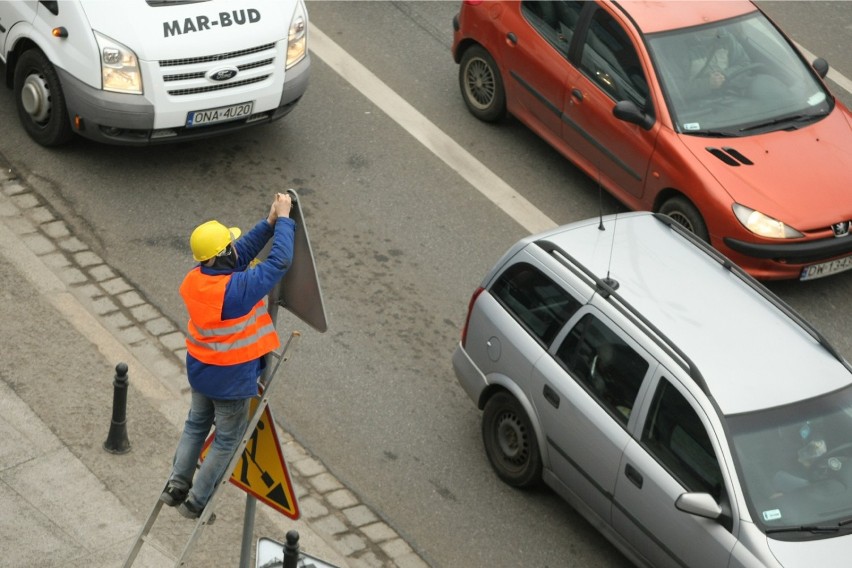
x=216, y=341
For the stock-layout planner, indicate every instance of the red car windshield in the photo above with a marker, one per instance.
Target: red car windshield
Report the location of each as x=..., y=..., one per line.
x=735, y=77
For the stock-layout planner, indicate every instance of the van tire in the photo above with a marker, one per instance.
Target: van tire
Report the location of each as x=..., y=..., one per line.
x=510, y=441
x=40, y=101
x=481, y=85
x=687, y=215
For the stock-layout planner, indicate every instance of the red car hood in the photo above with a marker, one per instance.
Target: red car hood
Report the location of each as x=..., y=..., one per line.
x=801, y=177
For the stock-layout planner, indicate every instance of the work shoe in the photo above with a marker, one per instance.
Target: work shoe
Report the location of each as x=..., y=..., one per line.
x=173, y=495
x=190, y=511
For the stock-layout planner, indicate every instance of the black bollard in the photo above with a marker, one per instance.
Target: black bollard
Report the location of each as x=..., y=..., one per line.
x=117, y=442
x=291, y=550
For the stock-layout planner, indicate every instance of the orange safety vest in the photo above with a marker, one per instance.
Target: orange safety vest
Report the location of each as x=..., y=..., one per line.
x=215, y=341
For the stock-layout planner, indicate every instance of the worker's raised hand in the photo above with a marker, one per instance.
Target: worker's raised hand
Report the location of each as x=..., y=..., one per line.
x=280, y=207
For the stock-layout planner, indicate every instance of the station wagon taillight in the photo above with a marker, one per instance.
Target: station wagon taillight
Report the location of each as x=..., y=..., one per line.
x=473, y=298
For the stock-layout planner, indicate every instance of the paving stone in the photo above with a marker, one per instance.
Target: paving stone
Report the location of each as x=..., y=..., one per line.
x=54, y=229
x=72, y=244
x=21, y=226
x=105, y=305
x=341, y=499
x=159, y=326
x=116, y=286
x=308, y=466
x=24, y=200
x=55, y=259
x=72, y=275
x=367, y=560
x=87, y=258
x=325, y=482
x=13, y=187
x=117, y=320
x=312, y=508
x=128, y=299
x=101, y=272
x=378, y=532
x=38, y=243
x=173, y=341
x=395, y=548
x=90, y=291
x=8, y=209
x=349, y=544
x=132, y=334
x=360, y=515
x=330, y=525
x=411, y=560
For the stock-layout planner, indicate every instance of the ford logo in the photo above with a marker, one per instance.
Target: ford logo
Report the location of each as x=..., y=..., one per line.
x=222, y=73
x=841, y=229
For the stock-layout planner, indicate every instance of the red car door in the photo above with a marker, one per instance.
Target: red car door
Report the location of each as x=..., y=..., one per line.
x=610, y=70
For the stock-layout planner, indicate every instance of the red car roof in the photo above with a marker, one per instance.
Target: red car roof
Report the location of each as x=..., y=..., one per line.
x=656, y=15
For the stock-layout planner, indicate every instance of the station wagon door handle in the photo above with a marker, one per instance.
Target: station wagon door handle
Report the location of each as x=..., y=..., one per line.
x=551, y=396
x=633, y=475
x=577, y=94
x=513, y=39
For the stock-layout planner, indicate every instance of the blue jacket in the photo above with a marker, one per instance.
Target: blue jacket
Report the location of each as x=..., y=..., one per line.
x=246, y=287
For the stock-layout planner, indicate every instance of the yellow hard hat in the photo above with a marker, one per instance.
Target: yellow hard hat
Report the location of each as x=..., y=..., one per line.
x=211, y=238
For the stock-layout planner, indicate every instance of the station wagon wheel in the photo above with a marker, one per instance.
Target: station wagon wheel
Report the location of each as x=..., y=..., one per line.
x=481, y=85
x=510, y=441
x=684, y=212
x=39, y=99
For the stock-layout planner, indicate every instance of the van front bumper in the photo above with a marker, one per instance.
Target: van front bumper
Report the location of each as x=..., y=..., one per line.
x=115, y=118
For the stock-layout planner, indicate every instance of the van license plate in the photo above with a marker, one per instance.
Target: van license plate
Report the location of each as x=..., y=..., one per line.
x=221, y=114
x=826, y=268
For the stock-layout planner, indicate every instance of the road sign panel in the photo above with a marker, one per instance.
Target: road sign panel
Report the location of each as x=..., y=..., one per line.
x=261, y=470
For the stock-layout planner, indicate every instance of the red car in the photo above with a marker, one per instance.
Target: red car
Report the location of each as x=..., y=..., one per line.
x=705, y=111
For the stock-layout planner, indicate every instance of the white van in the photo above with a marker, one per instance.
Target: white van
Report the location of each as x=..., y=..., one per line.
x=139, y=72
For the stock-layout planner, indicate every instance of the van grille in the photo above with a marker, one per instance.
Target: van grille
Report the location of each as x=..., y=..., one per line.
x=187, y=76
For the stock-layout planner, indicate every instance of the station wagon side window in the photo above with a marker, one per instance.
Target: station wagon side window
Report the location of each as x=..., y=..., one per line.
x=604, y=364
x=555, y=20
x=610, y=60
x=541, y=305
x=675, y=435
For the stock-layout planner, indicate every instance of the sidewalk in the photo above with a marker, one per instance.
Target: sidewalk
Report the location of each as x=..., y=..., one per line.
x=68, y=320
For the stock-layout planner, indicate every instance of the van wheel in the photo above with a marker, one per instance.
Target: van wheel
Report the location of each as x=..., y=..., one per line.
x=39, y=98
x=510, y=441
x=684, y=212
x=481, y=85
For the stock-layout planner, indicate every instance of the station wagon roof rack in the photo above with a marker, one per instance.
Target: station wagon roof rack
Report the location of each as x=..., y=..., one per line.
x=756, y=286
x=607, y=291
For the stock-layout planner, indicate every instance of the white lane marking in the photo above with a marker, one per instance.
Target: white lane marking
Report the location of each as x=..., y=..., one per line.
x=490, y=185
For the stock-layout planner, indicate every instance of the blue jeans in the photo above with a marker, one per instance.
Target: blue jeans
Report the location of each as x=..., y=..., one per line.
x=231, y=417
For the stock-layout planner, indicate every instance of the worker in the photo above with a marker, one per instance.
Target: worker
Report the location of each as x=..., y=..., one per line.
x=229, y=332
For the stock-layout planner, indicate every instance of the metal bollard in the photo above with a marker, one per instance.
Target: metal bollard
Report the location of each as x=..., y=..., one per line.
x=117, y=442
x=291, y=550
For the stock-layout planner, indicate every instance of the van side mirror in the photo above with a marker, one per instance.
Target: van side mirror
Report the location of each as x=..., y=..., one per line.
x=629, y=112
x=700, y=504
x=820, y=65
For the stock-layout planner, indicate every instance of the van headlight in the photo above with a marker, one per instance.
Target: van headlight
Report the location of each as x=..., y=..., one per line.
x=764, y=225
x=297, y=39
x=119, y=67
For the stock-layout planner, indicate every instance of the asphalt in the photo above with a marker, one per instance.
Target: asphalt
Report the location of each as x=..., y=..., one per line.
x=68, y=321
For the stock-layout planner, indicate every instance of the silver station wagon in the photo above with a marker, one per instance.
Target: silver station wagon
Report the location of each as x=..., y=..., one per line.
x=691, y=415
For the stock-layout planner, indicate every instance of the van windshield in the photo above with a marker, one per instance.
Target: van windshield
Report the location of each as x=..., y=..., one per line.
x=795, y=462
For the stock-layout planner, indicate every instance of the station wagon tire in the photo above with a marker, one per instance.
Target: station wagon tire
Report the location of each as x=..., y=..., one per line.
x=684, y=212
x=481, y=85
x=39, y=99
x=510, y=441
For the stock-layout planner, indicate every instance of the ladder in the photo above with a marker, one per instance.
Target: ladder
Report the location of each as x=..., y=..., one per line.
x=204, y=519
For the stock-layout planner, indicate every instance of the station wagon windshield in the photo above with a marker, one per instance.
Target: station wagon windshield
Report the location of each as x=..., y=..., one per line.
x=735, y=78
x=796, y=465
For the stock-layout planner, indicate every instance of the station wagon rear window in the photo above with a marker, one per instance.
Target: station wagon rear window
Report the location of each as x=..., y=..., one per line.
x=540, y=304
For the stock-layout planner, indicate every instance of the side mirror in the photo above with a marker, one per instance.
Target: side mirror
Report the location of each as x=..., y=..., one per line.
x=820, y=65
x=629, y=112
x=700, y=504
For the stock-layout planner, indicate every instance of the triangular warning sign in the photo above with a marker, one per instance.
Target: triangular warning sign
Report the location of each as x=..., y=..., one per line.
x=261, y=471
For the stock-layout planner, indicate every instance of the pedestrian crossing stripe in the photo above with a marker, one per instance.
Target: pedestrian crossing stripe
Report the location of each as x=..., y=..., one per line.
x=261, y=471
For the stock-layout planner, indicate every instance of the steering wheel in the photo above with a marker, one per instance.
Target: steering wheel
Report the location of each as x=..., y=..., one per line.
x=738, y=72
x=828, y=463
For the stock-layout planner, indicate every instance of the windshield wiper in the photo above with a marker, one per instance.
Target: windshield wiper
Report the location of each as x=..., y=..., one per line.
x=783, y=120
x=712, y=133
x=809, y=528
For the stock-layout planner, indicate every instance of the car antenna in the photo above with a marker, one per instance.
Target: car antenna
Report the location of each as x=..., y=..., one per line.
x=611, y=283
